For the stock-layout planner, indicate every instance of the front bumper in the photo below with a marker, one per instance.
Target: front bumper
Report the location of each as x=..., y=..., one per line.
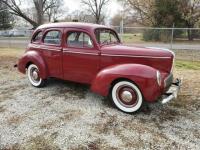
x=172, y=93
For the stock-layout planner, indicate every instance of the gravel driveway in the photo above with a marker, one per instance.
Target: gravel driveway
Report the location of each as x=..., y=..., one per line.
x=66, y=115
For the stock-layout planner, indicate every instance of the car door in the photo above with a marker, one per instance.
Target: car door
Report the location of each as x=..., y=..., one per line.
x=80, y=56
x=51, y=49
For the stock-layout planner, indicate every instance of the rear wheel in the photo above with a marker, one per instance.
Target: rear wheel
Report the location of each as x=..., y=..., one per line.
x=34, y=76
x=126, y=96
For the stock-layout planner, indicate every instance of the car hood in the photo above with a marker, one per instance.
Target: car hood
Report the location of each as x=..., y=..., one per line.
x=136, y=51
x=158, y=58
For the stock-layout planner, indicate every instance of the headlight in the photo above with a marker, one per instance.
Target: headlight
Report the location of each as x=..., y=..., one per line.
x=158, y=75
x=173, y=63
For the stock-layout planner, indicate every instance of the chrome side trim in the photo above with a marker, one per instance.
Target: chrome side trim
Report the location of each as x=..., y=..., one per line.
x=73, y=52
x=45, y=48
x=135, y=56
x=51, y=49
x=34, y=46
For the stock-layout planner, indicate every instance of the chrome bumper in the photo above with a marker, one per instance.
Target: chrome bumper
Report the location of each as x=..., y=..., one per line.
x=172, y=93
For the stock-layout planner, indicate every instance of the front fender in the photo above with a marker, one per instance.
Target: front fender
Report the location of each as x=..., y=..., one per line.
x=143, y=76
x=34, y=58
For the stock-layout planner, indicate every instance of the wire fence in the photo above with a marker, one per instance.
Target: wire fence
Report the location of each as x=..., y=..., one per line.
x=185, y=42
x=171, y=38
x=15, y=38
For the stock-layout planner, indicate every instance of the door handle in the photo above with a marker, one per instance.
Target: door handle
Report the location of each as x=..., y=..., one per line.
x=36, y=46
x=55, y=55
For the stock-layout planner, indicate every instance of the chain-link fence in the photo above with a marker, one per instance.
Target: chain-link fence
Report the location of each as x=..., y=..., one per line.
x=184, y=41
x=15, y=38
x=171, y=38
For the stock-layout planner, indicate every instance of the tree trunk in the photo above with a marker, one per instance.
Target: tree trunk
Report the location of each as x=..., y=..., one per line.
x=190, y=32
x=97, y=19
x=40, y=14
x=190, y=35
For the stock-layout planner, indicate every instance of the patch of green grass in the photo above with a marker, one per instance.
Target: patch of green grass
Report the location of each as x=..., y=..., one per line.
x=132, y=38
x=189, y=65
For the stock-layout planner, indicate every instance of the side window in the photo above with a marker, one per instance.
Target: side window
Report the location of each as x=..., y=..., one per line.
x=107, y=37
x=87, y=41
x=37, y=37
x=79, y=40
x=53, y=37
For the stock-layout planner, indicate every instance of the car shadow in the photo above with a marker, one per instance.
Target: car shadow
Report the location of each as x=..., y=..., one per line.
x=155, y=110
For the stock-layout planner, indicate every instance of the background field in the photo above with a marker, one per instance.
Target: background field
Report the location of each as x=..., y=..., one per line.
x=66, y=115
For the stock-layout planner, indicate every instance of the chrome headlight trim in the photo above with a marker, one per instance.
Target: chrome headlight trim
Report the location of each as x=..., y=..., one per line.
x=158, y=76
x=173, y=61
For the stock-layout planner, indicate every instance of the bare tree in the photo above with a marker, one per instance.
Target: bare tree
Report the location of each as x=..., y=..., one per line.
x=53, y=13
x=190, y=10
x=115, y=20
x=96, y=8
x=140, y=10
x=6, y=19
x=82, y=16
x=41, y=7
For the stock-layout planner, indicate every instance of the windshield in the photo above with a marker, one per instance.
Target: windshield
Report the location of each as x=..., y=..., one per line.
x=106, y=36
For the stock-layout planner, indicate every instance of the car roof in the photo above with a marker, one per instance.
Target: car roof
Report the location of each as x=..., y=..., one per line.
x=86, y=26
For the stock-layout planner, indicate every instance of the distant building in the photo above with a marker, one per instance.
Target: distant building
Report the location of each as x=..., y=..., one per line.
x=16, y=32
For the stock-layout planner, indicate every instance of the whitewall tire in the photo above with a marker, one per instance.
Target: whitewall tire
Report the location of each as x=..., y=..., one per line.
x=126, y=96
x=34, y=77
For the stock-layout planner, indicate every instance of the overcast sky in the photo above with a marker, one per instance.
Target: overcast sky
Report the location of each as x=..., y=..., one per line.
x=112, y=8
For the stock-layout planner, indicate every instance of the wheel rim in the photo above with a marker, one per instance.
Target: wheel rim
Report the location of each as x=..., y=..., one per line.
x=34, y=76
x=127, y=96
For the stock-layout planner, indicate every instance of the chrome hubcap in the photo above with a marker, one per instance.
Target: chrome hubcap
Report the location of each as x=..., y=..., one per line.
x=35, y=75
x=127, y=96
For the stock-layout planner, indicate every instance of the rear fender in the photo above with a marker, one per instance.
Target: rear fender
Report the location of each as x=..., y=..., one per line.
x=143, y=76
x=34, y=58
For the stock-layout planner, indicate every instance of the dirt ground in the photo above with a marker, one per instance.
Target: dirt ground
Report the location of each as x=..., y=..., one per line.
x=66, y=115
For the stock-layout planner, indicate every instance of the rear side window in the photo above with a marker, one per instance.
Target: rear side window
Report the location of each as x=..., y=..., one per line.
x=37, y=37
x=53, y=37
x=79, y=40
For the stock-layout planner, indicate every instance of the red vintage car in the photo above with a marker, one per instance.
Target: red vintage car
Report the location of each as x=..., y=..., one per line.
x=93, y=54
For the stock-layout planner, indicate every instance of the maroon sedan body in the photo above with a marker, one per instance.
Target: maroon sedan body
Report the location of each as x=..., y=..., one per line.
x=93, y=54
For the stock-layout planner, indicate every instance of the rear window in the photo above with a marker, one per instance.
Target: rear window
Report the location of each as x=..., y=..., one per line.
x=53, y=37
x=37, y=37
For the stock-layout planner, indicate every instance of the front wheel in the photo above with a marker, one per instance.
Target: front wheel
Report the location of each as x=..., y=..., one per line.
x=126, y=96
x=34, y=77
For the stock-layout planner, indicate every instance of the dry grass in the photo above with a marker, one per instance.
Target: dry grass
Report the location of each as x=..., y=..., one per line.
x=12, y=52
x=67, y=116
x=40, y=143
x=15, y=120
x=35, y=143
x=189, y=55
x=8, y=92
x=2, y=109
